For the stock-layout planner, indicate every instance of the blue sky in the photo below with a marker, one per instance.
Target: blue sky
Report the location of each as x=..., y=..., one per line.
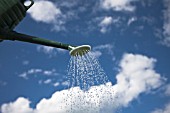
x=130, y=38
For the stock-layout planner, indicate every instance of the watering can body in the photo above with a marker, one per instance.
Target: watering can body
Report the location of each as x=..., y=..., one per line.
x=12, y=12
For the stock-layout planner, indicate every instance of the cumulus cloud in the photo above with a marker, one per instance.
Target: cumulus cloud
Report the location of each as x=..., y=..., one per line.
x=164, y=110
x=118, y=5
x=136, y=76
x=47, y=12
x=44, y=11
x=105, y=23
x=166, y=26
x=53, y=13
x=21, y=105
x=64, y=101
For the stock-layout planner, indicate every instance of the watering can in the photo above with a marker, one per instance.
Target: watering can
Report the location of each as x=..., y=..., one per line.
x=12, y=12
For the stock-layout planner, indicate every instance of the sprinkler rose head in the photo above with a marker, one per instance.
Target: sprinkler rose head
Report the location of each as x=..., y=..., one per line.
x=79, y=50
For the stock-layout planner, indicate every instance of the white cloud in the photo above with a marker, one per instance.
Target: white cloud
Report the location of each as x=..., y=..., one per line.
x=118, y=5
x=34, y=71
x=131, y=20
x=65, y=83
x=50, y=72
x=69, y=4
x=56, y=84
x=136, y=75
x=166, y=26
x=46, y=49
x=44, y=11
x=96, y=54
x=167, y=90
x=47, y=12
x=47, y=81
x=107, y=21
x=165, y=110
x=59, y=27
x=63, y=101
x=103, y=30
x=47, y=72
x=61, y=50
x=51, y=51
x=98, y=50
x=21, y=105
x=23, y=75
x=26, y=74
x=117, y=21
x=107, y=47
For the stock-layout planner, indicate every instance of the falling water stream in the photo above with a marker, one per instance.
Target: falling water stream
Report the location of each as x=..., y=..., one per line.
x=85, y=71
x=85, y=74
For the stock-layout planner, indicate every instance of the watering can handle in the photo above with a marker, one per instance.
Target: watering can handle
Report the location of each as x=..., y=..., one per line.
x=32, y=2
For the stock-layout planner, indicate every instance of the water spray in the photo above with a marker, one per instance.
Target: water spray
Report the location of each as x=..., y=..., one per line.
x=12, y=12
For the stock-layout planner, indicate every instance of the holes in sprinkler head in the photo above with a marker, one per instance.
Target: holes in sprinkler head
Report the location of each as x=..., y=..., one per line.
x=27, y=3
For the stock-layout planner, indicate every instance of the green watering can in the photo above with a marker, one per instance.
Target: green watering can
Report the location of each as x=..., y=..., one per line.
x=11, y=14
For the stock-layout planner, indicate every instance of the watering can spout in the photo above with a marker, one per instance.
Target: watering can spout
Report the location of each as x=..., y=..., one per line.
x=11, y=13
x=13, y=36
